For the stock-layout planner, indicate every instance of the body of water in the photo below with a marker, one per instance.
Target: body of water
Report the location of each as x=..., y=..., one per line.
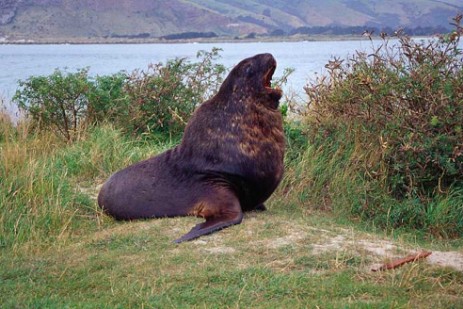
x=18, y=62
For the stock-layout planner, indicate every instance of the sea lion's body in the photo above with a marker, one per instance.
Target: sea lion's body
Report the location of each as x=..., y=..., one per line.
x=230, y=159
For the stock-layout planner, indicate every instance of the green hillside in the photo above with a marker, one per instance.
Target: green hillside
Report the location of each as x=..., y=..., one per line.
x=90, y=19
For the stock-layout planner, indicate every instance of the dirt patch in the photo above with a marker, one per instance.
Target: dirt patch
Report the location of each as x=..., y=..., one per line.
x=292, y=238
x=450, y=259
x=91, y=191
x=379, y=247
x=379, y=250
x=384, y=249
x=220, y=250
x=257, y=234
x=332, y=244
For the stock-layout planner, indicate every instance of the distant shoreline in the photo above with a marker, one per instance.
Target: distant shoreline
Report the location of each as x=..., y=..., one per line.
x=83, y=41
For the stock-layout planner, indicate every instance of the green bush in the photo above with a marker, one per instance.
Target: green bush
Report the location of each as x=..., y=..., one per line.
x=399, y=110
x=160, y=99
x=164, y=97
x=57, y=102
x=108, y=101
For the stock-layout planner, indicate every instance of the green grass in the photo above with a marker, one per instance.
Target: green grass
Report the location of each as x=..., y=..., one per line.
x=137, y=265
x=58, y=250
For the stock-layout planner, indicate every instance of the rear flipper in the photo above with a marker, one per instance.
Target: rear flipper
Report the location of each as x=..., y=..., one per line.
x=208, y=227
x=220, y=212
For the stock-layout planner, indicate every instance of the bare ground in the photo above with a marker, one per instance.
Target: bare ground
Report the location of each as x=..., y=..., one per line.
x=267, y=232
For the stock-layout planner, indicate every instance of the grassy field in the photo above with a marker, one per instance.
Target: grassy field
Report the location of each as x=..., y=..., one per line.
x=273, y=260
x=57, y=250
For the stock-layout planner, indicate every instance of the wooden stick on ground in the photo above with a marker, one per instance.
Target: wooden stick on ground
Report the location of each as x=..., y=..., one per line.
x=399, y=262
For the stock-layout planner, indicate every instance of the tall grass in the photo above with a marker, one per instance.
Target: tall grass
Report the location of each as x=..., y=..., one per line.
x=47, y=186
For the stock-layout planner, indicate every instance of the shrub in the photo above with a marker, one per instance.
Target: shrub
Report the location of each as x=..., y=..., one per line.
x=57, y=102
x=163, y=97
x=400, y=112
x=108, y=101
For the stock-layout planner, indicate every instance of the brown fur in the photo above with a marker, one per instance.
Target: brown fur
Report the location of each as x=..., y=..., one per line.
x=230, y=159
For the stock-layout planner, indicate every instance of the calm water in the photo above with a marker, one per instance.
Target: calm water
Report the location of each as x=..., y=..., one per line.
x=18, y=62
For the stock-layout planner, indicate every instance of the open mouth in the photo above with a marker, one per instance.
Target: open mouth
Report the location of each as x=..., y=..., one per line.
x=268, y=81
x=268, y=77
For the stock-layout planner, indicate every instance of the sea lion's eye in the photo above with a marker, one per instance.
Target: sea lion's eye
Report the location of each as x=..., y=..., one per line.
x=249, y=70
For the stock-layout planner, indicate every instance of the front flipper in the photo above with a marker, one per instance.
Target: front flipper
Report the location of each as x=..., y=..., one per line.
x=219, y=211
x=260, y=207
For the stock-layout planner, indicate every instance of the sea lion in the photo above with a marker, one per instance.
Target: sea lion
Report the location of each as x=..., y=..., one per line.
x=230, y=159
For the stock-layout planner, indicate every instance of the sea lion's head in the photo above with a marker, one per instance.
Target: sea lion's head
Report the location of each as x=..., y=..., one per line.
x=251, y=79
